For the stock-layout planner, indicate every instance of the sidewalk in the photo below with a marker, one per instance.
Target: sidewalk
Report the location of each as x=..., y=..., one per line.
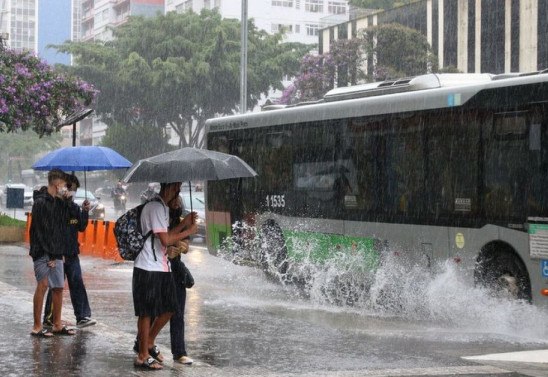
x=101, y=350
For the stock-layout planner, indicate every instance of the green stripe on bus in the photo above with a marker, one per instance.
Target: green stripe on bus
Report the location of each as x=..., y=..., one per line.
x=217, y=234
x=320, y=247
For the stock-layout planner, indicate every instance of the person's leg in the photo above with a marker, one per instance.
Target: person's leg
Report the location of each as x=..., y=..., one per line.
x=143, y=331
x=158, y=324
x=56, y=282
x=78, y=294
x=57, y=303
x=41, y=273
x=38, y=301
x=48, y=314
x=177, y=326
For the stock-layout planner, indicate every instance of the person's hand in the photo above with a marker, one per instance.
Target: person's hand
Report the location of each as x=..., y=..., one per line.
x=190, y=219
x=51, y=263
x=180, y=247
x=86, y=205
x=183, y=246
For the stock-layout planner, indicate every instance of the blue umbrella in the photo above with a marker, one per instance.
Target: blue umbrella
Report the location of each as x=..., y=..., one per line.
x=82, y=158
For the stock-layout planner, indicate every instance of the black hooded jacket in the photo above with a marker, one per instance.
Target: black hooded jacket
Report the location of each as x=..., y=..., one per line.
x=48, y=228
x=77, y=222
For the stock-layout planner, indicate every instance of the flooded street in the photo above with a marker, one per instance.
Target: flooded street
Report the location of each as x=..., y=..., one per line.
x=238, y=322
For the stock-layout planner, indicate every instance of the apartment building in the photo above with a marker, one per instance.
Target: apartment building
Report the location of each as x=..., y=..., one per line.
x=99, y=17
x=33, y=25
x=299, y=20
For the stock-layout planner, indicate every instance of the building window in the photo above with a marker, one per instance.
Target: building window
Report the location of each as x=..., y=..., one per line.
x=315, y=6
x=207, y=4
x=336, y=7
x=312, y=29
x=282, y=28
x=297, y=29
x=282, y=3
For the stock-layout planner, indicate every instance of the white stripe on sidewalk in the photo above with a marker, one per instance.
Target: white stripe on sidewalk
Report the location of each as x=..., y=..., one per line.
x=400, y=372
x=536, y=356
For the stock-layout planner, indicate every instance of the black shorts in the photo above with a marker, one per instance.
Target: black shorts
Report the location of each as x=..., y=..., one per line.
x=153, y=293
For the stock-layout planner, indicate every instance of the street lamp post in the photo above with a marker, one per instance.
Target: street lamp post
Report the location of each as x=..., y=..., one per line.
x=73, y=119
x=243, y=60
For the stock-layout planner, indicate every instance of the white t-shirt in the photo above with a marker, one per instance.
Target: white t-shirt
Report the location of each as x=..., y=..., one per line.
x=155, y=217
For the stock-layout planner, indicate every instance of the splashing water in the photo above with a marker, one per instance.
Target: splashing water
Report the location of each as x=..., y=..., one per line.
x=442, y=295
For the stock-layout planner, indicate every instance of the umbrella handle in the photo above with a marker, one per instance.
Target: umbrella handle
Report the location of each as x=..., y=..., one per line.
x=190, y=193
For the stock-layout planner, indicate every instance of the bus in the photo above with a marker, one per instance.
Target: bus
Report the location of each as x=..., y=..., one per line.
x=438, y=167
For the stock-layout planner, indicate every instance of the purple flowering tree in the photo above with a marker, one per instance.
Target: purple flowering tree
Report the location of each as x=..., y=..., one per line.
x=318, y=73
x=35, y=96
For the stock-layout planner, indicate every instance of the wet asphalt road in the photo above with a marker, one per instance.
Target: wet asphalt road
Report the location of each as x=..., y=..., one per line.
x=239, y=323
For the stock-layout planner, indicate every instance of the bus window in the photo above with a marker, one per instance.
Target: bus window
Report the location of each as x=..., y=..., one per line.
x=404, y=167
x=316, y=170
x=515, y=166
x=452, y=165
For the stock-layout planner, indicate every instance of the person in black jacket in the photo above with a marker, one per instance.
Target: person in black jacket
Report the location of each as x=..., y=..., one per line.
x=77, y=221
x=177, y=321
x=47, y=237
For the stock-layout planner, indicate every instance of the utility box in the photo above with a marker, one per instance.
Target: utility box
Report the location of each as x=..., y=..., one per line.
x=15, y=197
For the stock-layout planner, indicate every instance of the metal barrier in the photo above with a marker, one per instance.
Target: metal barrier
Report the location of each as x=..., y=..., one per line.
x=97, y=240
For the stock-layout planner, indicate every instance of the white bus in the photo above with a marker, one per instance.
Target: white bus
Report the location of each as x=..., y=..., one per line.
x=439, y=167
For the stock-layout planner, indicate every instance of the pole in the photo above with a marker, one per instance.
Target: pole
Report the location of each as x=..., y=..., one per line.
x=74, y=134
x=243, y=60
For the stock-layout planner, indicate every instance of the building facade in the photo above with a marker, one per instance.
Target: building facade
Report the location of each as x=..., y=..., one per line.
x=99, y=17
x=33, y=25
x=487, y=36
x=299, y=20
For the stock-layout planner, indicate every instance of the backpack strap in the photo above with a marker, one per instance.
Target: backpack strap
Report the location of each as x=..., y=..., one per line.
x=150, y=233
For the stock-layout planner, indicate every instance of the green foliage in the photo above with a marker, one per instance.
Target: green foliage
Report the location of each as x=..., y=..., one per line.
x=21, y=147
x=180, y=69
x=6, y=220
x=136, y=141
x=400, y=51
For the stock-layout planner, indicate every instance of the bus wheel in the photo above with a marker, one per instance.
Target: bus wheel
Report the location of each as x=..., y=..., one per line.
x=503, y=272
x=273, y=248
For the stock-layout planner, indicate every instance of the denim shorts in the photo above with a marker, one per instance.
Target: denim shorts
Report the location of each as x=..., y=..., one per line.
x=56, y=275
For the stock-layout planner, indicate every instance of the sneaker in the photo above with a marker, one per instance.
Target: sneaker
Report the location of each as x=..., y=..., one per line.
x=85, y=322
x=184, y=360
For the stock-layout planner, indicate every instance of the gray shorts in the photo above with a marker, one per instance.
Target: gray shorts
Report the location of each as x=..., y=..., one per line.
x=56, y=276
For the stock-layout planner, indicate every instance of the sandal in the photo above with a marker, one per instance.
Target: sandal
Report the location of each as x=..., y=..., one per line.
x=44, y=333
x=150, y=364
x=154, y=351
x=64, y=331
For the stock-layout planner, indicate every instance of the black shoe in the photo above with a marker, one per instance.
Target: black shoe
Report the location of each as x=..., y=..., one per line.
x=85, y=322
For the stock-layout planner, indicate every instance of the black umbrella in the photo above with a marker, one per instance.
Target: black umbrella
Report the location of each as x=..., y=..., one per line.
x=188, y=164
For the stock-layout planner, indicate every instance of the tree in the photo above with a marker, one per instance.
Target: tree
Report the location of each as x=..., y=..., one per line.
x=392, y=50
x=136, y=142
x=179, y=70
x=36, y=96
x=399, y=51
x=20, y=147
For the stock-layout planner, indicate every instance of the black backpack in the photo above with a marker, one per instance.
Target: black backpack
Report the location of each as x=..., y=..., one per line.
x=129, y=235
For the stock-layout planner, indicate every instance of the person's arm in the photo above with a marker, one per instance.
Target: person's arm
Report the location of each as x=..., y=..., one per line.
x=174, y=235
x=187, y=222
x=83, y=215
